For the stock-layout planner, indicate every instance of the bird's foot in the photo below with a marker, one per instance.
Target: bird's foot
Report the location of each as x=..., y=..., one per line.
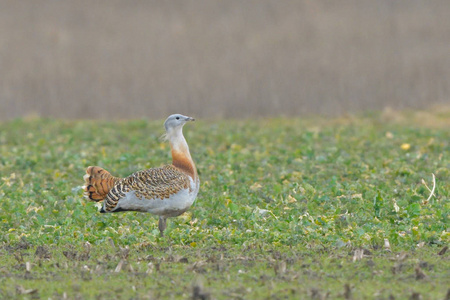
x=162, y=225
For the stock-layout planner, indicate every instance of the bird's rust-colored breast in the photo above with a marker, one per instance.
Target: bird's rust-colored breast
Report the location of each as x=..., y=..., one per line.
x=184, y=163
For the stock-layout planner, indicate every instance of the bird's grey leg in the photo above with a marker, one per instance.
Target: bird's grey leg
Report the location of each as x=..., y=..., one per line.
x=162, y=225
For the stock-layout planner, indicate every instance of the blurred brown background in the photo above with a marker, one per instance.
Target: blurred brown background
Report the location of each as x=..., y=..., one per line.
x=230, y=58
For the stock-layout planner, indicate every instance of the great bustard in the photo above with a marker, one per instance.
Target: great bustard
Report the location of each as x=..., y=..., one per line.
x=167, y=191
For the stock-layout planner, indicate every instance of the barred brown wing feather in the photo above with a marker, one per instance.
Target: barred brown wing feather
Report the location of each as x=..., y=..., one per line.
x=115, y=194
x=98, y=182
x=157, y=183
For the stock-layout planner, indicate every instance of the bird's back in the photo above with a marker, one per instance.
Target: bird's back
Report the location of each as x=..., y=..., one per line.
x=152, y=190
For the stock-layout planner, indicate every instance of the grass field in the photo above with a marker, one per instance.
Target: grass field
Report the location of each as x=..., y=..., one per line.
x=288, y=208
x=113, y=59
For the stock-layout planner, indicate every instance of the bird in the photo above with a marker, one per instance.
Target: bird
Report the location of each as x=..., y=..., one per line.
x=166, y=191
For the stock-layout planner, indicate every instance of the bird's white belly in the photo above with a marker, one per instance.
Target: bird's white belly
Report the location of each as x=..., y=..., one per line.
x=173, y=206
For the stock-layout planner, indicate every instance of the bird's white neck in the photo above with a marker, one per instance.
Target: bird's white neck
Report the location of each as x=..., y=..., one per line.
x=181, y=158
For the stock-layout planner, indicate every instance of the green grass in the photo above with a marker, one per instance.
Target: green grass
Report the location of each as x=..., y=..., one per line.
x=284, y=206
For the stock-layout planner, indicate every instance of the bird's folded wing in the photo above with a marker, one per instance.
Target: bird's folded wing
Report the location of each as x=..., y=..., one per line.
x=157, y=183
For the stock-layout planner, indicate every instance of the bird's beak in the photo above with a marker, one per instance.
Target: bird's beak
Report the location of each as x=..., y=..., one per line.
x=190, y=119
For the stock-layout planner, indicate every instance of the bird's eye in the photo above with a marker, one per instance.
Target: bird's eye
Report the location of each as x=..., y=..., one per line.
x=178, y=118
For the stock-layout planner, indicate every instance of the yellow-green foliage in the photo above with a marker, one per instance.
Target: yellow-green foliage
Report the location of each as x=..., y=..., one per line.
x=284, y=207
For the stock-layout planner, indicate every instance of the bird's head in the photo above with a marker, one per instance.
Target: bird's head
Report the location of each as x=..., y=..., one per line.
x=176, y=121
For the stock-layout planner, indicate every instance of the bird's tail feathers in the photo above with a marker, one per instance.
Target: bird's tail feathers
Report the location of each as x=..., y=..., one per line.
x=98, y=182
